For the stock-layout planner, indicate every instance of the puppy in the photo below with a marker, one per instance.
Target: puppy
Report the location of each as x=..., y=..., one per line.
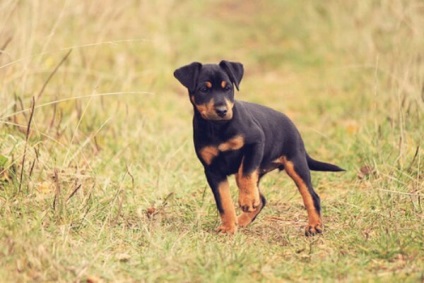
x=248, y=140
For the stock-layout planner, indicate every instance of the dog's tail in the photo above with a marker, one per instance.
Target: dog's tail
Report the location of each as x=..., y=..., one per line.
x=316, y=165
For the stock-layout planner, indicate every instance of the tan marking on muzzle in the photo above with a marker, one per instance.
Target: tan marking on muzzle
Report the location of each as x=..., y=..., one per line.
x=207, y=110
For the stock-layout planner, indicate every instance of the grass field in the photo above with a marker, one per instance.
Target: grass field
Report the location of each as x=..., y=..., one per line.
x=98, y=177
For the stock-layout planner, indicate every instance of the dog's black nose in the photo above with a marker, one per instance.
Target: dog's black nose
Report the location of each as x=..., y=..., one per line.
x=221, y=110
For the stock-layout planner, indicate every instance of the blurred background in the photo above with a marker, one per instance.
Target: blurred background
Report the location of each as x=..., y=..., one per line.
x=90, y=110
x=339, y=65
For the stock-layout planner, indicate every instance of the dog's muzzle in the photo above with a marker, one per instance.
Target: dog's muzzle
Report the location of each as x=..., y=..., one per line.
x=221, y=110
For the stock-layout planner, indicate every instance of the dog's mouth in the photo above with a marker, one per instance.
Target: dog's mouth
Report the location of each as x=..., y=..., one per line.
x=217, y=117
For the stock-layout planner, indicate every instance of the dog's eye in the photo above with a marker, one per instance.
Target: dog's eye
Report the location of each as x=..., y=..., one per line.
x=227, y=88
x=204, y=89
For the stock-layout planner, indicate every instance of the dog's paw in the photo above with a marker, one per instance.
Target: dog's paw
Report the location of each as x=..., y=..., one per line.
x=249, y=202
x=312, y=230
x=246, y=218
x=227, y=229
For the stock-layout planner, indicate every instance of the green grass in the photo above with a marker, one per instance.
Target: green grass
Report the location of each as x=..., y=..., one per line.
x=106, y=186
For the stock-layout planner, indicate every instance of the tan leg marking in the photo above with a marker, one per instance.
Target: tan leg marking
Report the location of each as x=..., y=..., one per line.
x=208, y=153
x=228, y=217
x=249, y=199
x=234, y=143
x=315, y=224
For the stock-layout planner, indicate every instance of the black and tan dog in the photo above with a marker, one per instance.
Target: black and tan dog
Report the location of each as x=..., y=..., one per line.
x=245, y=139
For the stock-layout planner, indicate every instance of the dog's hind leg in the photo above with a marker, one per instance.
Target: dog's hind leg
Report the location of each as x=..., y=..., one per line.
x=297, y=168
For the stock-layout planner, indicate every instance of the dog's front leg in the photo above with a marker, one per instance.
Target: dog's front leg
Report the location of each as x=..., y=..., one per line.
x=221, y=191
x=247, y=178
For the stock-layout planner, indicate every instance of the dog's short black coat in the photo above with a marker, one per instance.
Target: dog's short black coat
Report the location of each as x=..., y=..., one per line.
x=245, y=139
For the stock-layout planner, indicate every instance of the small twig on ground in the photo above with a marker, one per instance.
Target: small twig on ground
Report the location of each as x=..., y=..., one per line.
x=53, y=116
x=74, y=192
x=5, y=45
x=57, y=192
x=414, y=158
x=40, y=93
x=131, y=176
x=32, y=168
x=19, y=99
x=28, y=131
x=165, y=201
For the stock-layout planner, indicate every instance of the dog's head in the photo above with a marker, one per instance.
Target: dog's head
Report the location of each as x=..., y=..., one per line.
x=211, y=87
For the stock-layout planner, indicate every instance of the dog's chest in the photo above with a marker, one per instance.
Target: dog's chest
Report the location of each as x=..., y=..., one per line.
x=227, y=162
x=223, y=152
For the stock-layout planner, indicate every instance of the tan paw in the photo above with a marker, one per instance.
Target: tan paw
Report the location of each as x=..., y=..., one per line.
x=227, y=229
x=246, y=218
x=312, y=230
x=249, y=202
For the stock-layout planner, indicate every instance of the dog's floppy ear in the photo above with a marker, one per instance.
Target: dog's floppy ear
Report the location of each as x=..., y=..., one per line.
x=234, y=70
x=187, y=75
